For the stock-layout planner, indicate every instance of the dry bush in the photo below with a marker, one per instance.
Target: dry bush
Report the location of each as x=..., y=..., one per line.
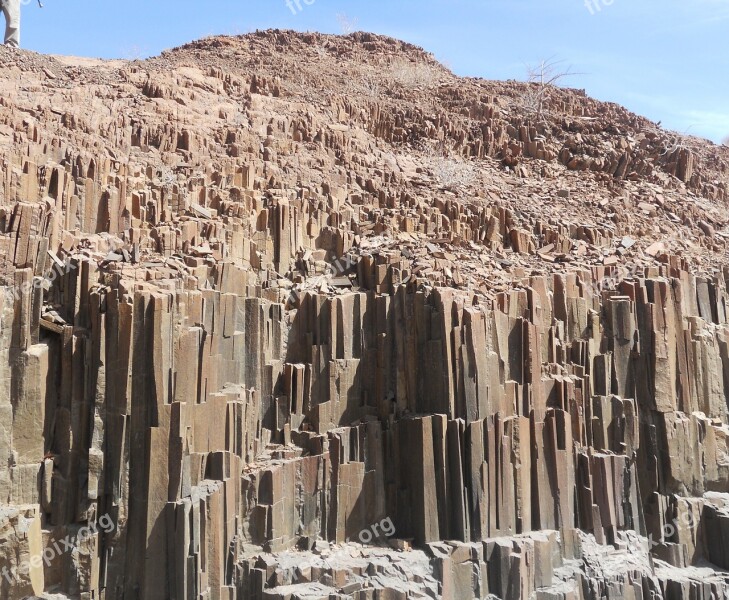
x=414, y=75
x=453, y=173
x=133, y=53
x=725, y=141
x=321, y=51
x=347, y=25
x=167, y=179
x=678, y=141
x=367, y=84
x=450, y=170
x=370, y=85
x=543, y=79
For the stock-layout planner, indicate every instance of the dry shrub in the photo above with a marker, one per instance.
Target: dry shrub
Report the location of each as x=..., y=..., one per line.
x=543, y=79
x=453, y=173
x=678, y=141
x=413, y=74
x=370, y=85
x=450, y=170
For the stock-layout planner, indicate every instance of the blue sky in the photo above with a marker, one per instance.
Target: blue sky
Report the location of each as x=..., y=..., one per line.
x=665, y=59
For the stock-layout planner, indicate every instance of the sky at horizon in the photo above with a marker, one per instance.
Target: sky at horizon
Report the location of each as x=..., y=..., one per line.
x=667, y=60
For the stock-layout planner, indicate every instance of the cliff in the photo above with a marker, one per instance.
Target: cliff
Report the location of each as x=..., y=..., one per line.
x=302, y=316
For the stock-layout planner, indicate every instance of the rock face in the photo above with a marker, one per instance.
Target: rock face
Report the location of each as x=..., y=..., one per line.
x=298, y=316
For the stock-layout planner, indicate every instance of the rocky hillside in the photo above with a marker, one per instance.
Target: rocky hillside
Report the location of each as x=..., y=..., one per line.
x=293, y=316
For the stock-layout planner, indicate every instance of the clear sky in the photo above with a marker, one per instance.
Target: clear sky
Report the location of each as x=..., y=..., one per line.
x=665, y=59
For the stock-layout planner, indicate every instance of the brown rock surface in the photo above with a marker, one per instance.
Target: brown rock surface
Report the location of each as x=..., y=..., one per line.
x=303, y=316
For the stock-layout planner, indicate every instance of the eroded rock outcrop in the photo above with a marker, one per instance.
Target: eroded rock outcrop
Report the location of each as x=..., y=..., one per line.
x=283, y=319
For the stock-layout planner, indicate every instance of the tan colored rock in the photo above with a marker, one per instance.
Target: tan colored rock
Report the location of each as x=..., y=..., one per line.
x=288, y=337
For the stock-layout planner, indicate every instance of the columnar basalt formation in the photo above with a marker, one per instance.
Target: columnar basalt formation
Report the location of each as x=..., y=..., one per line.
x=301, y=316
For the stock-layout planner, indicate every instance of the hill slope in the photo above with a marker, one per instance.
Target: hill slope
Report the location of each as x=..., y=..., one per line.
x=272, y=296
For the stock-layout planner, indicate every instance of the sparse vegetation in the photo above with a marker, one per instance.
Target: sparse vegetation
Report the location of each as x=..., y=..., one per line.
x=453, y=173
x=413, y=75
x=371, y=85
x=321, y=51
x=403, y=73
x=678, y=141
x=167, y=179
x=450, y=170
x=346, y=24
x=542, y=81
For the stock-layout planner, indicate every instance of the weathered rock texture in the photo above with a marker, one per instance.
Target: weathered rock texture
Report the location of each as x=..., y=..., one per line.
x=310, y=317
